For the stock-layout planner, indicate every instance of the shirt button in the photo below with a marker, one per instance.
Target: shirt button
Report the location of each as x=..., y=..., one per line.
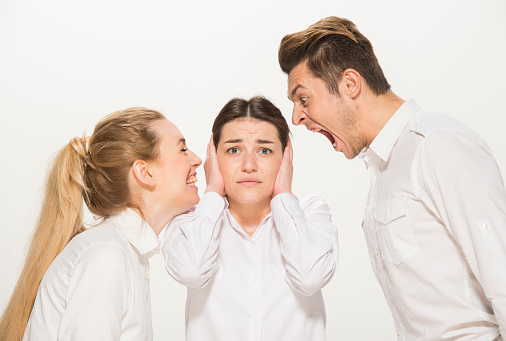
x=251, y=246
x=146, y=276
x=255, y=278
x=255, y=322
x=398, y=333
x=376, y=171
x=485, y=226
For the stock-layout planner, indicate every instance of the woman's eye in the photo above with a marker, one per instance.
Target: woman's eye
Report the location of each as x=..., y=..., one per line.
x=265, y=151
x=233, y=150
x=184, y=150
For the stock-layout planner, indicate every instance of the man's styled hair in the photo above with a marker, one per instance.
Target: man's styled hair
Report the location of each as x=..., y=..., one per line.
x=331, y=46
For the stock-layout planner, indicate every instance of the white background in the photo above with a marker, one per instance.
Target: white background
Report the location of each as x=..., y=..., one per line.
x=65, y=64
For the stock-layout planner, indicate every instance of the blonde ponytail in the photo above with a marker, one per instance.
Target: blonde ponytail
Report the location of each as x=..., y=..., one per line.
x=59, y=221
x=95, y=169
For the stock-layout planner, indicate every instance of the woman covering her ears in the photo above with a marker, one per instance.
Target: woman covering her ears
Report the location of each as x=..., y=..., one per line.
x=253, y=256
x=136, y=173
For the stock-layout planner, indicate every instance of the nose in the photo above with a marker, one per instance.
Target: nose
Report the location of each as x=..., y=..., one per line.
x=298, y=115
x=249, y=163
x=194, y=159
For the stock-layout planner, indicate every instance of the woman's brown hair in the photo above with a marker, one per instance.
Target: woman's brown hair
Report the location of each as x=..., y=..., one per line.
x=258, y=108
x=96, y=170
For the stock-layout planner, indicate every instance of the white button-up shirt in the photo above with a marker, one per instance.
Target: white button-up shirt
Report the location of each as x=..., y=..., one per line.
x=266, y=287
x=435, y=225
x=97, y=288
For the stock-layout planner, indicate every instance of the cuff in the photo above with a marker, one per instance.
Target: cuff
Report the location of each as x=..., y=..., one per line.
x=286, y=202
x=211, y=205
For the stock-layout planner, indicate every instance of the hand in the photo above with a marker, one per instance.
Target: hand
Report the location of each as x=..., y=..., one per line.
x=214, y=179
x=283, y=182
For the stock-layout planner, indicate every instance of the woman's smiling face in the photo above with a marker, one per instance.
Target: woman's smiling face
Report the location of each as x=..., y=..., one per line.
x=175, y=169
x=249, y=156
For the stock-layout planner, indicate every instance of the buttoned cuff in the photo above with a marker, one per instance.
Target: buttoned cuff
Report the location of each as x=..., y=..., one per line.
x=286, y=202
x=211, y=205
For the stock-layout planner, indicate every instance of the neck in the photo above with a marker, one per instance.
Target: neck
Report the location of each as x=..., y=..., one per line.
x=376, y=111
x=156, y=217
x=249, y=216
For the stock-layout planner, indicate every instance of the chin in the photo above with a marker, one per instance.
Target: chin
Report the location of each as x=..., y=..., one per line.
x=190, y=202
x=251, y=198
x=195, y=200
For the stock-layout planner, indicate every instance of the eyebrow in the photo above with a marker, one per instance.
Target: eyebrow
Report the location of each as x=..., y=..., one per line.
x=294, y=91
x=181, y=140
x=233, y=141
x=257, y=141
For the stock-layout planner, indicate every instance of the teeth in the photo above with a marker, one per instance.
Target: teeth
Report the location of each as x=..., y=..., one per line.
x=334, y=145
x=191, y=181
x=315, y=130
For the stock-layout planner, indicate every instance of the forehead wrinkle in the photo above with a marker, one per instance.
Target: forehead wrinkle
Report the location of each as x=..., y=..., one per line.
x=249, y=130
x=243, y=131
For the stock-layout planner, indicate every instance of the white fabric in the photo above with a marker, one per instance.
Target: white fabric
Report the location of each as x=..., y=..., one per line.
x=435, y=225
x=266, y=287
x=98, y=286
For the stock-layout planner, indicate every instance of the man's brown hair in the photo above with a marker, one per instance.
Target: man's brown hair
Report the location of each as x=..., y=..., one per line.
x=331, y=46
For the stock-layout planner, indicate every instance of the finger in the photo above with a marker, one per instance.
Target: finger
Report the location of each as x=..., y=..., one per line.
x=289, y=145
x=288, y=153
x=208, y=153
x=212, y=147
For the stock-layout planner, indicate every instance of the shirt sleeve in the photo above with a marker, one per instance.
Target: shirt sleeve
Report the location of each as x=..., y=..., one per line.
x=462, y=180
x=308, y=241
x=190, y=244
x=97, y=295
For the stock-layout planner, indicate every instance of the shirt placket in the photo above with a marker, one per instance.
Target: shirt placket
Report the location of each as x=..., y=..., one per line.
x=254, y=291
x=372, y=232
x=145, y=284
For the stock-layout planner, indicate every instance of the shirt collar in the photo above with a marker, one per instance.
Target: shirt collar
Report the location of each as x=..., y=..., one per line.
x=384, y=142
x=136, y=230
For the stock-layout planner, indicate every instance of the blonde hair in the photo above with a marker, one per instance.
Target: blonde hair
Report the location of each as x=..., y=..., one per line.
x=96, y=170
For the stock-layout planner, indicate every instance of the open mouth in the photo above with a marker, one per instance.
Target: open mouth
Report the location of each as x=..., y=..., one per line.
x=191, y=180
x=326, y=134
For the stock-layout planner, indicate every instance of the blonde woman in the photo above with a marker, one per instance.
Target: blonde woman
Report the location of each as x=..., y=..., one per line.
x=136, y=173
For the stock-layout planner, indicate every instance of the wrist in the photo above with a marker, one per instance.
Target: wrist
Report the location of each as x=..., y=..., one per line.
x=289, y=191
x=216, y=189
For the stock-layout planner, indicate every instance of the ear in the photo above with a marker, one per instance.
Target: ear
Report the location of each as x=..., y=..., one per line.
x=143, y=173
x=351, y=83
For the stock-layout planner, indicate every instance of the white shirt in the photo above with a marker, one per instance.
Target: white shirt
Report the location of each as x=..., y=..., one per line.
x=97, y=288
x=266, y=287
x=435, y=225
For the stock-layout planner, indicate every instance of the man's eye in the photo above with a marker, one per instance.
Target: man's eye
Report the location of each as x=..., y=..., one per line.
x=265, y=151
x=233, y=150
x=303, y=100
